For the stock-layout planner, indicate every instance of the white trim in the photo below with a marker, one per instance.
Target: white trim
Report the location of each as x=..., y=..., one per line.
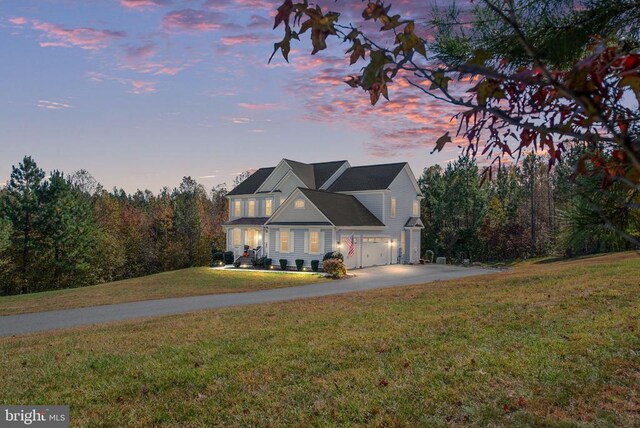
x=349, y=192
x=341, y=228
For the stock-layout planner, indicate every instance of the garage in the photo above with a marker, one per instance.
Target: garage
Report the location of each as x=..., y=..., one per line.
x=375, y=251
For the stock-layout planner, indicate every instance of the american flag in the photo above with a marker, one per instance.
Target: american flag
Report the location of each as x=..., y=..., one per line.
x=350, y=245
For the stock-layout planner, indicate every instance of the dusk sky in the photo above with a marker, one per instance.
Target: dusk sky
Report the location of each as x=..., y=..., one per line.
x=143, y=92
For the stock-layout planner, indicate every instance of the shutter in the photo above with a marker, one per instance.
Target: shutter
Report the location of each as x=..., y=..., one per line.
x=306, y=242
x=321, y=244
x=277, y=241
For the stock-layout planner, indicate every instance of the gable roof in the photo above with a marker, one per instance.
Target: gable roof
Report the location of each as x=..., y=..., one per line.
x=252, y=183
x=304, y=172
x=368, y=177
x=414, y=222
x=340, y=209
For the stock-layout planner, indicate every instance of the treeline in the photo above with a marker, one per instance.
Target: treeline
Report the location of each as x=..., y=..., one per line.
x=526, y=210
x=67, y=231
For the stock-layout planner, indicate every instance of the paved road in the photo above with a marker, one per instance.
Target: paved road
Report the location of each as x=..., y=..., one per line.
x=366, y=279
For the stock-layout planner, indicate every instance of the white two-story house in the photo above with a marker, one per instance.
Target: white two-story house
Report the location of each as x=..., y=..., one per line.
x=301, y=211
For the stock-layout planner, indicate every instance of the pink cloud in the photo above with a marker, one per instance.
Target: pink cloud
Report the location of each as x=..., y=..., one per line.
x=136, y=86
x=84, y=38
x=236, y=4
x=18, y=20
x=142, y=87
x=143, y=4
x=242, y=39
x=251, y=106
x=133, y=53
x=195, y=20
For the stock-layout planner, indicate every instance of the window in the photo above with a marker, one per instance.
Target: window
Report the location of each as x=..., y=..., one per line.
x=237, y=209
x=268, y=207
x=284, y=241
x=416, y=208
x=253, y=238
x=237, y=237
x=393, y=207
x=252, y=208
x=299, y=204
x=314, y=244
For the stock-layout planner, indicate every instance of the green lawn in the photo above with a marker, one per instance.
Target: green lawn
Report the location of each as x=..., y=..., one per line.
x=547, y=344
x=179, y=283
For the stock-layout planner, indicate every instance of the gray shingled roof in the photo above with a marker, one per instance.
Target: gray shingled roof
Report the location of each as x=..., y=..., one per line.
x=252, y=221
x=324, y=170
x=252, y=183
x=368, y=177
x=304, y=172
x=341, y=210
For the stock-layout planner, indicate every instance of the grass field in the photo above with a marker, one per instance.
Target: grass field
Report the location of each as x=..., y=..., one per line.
x=179, y=283
x=547, y=344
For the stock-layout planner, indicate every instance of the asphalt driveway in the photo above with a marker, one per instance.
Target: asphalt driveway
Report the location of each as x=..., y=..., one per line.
x=366, y=279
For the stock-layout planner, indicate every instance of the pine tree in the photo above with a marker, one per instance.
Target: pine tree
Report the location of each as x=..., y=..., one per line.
x=69, y=235
x=22, y=209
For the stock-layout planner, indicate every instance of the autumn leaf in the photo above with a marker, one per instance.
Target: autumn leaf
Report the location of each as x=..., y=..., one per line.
x=440, y=142
x=439, y=80
x=284, y=11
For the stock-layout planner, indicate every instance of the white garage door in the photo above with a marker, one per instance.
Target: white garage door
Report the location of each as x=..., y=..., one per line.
x=375, y=251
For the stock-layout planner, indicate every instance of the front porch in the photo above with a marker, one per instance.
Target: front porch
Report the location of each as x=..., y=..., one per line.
x=247, y=239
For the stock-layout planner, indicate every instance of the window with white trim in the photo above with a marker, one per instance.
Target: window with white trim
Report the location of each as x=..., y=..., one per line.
x=268, y=207
x=237, y=237
x=393, y=207
x=314, y=241
x=416, y=208
x=251, y=208
x=237, y=208
x=284, y=240
x=299, y=204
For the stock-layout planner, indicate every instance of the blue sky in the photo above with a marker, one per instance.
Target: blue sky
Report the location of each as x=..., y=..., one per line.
x=143, y=92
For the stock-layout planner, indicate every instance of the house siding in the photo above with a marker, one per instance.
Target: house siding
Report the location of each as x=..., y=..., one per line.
x=308, y=213
x=405, y=193
x=373, y=202
x=244, y=206
x=296, y=238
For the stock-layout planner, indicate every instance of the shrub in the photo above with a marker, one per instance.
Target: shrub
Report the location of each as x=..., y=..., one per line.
x=283, y=264
x=228, y=257
x=314, y=265
x=267, y=262
x=236, y=264
x=333, y=255
x=335, y=268
x=299, y=264
x=258, y=261
x=217, y=258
